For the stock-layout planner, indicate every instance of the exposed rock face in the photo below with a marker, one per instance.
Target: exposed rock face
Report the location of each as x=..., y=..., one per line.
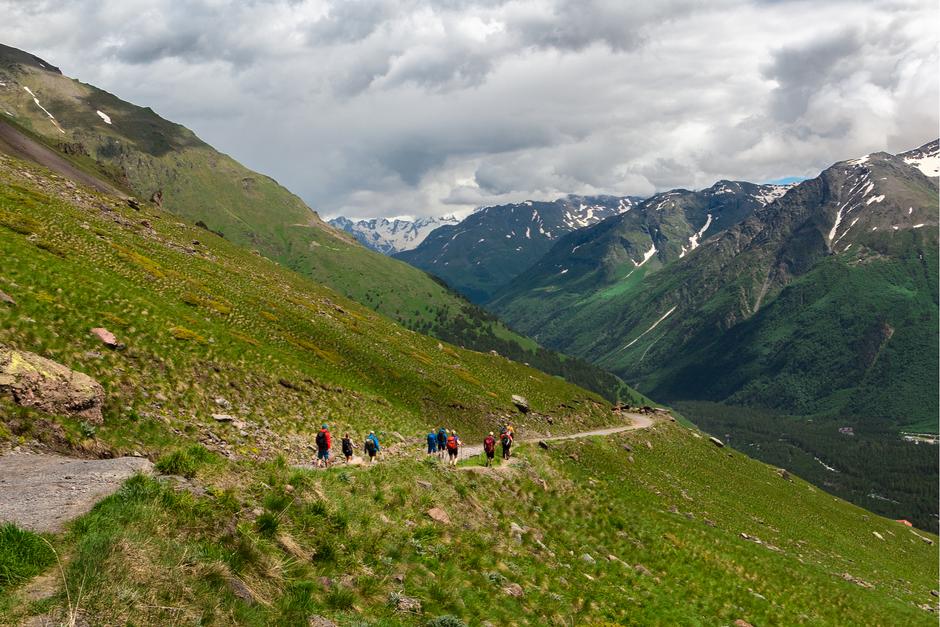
x=34, y=381
x=107, y=338
x=439, y=515
x=521, y=403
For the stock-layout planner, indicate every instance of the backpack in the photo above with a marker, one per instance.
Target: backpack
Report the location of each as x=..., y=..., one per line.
x=370, y=446
x=347, y=447
x=321, y=440
x=506, y=439
x=489, y=444
x=452, y=443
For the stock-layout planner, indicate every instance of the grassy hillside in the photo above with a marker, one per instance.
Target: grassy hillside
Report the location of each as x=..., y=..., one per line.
x=604, y=536
x=146, y=155
x=203, y=318
x=255, y=540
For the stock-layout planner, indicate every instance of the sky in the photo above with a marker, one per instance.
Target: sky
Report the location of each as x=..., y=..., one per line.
x=411, y=107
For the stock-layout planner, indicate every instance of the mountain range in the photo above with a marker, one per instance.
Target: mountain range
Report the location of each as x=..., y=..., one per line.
x=491, y=246
x=819, y=307
x=175, y=330
x=390, y=236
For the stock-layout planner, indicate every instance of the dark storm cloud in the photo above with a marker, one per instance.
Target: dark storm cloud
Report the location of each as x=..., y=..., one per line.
x=391, y=107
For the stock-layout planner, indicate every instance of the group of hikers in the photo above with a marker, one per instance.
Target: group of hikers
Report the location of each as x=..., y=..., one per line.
x=444, y=440
x=324, y=442
x=439, y=442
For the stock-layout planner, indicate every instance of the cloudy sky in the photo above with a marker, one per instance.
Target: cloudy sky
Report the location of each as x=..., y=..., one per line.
x=391, y=107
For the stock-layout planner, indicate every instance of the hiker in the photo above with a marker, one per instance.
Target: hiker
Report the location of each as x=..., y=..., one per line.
x=506, y=440
x=372, y=446
x=489, y=448
x=441, y=442
x=432, y=443
x=453, y=447
x=347, y=448
x=324, y=444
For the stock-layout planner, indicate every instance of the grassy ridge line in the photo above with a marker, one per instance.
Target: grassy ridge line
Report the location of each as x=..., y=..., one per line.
x=206, y=320
x=146, y=153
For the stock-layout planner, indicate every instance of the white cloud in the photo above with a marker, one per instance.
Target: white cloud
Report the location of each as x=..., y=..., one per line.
x=416, y=107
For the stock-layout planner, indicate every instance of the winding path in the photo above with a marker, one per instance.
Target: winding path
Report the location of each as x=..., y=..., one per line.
x=640, y=421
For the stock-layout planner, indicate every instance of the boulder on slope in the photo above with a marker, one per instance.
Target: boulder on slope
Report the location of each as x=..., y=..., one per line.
x=34, y=381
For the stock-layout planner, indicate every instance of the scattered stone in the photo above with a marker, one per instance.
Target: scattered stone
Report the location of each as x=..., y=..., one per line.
x=240, y=589
x=319, y=621
x=157, y=198
x=741, y=623
x=406, y=604
x=630, y=459
x=439, y=515
x=543, y=444
x=856, y=580
x=878, y=535
x=521, y=403
x=6, y=298
x=716, y=441
x=325, y=582
x=628, y=448
x=107, y=338
x=936, y=593
x=398, y=436
x=133, y=203
x=399, y=577
x=574, y=457
x=783, y=474
x=514, y=590
x=288, y=488
x=223, y=417
x=427, y=485
x=587, y=559
x=649, y=445
x=643, y=570
x=35, y=381
x=710, y=523
x=223, y=403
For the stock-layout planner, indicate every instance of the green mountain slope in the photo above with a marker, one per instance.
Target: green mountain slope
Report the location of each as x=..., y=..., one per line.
x=569, y=296
x=491, y=246
x=140, y=152
x=822, y=304
x=252, y=539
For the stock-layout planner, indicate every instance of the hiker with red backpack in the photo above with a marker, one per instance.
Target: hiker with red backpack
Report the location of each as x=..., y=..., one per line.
x=453, y=447
x=489, y=449
x=505, y=439
x=324, y=444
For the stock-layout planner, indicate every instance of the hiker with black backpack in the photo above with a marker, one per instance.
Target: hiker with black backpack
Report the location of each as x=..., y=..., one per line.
x=453, y=447
x=441, y=442
x=347, y=448
x=489, y=449
x=372, y=446
x=506, y=440
x=324, y=444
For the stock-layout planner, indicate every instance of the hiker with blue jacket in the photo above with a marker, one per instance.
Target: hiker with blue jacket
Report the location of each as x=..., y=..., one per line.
x=432, y=442
x=372, y=446
x=441, y=442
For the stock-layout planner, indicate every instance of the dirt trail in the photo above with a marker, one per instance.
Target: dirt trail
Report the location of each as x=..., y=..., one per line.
x=42, y=492
x=640, y=421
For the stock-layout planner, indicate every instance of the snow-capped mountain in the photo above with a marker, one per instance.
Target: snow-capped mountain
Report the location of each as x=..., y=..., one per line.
x=391, y=236
x=494, y=244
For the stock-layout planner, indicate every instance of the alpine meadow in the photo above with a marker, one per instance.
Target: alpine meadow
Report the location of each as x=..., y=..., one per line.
x=543, y=313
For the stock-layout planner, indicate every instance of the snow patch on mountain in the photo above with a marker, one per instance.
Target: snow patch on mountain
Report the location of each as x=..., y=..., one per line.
x=55, y=123
x=392, y=235
x=694, y=240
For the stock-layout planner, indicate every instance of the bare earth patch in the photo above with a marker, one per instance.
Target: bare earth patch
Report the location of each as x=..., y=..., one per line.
x=42, y=492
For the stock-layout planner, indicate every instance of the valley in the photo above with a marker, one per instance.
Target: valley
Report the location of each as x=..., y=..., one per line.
x=723, y=399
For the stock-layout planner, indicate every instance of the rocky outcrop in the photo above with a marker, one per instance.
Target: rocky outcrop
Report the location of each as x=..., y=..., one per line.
x=34, y=381
x=521, y=403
